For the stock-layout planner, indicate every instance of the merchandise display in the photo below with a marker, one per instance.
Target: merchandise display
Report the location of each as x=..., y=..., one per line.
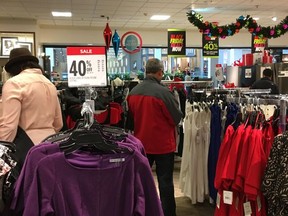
x=111, y=109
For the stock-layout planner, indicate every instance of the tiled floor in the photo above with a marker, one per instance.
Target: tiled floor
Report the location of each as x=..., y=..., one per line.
x=183, y=204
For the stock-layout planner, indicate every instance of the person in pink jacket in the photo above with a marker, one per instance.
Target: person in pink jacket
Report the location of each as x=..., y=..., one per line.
x=29, y=99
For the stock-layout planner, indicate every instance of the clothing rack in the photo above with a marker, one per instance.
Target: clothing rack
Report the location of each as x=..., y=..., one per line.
x=279, y=100
x=167, y=82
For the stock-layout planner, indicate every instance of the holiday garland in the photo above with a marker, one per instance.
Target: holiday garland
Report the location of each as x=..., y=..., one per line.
x=247, y=22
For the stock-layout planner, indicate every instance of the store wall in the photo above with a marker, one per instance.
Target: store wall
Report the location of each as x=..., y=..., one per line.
x=84, y=35
x=153, y=38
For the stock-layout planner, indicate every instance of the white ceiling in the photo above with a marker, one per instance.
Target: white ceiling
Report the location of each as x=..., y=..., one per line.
x=135, y=14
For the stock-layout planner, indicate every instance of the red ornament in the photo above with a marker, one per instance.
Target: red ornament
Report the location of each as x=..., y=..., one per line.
x=206, y=23
x=238, y=24
x=251, y=30
x=107, y=33
x=237, y=30
x=220, y=30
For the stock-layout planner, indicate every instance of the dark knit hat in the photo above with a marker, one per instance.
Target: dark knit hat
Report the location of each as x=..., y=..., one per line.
x=19, y=55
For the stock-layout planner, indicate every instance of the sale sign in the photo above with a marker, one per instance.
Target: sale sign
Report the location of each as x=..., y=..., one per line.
x=210, y=46
x=259, y=43
x=176, y=42
x=86, y=66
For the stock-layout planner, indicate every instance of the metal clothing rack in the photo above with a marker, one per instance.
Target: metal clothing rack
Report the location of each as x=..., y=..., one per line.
x=88, y=107
x=167, y=82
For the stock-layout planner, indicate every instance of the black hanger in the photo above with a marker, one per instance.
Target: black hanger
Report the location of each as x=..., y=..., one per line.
x=238, y=120
x=90, y=140
x=64, y=134
x=99, y=136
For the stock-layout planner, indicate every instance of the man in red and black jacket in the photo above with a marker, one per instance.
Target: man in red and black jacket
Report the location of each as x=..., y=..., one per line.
x=156, y=113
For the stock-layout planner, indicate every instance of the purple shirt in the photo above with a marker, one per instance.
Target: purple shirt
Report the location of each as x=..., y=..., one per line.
x=85, y=183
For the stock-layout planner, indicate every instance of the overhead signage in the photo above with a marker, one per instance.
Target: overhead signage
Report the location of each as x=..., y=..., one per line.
x=259, y=43
x=176, y=42
x=210, y=46
x=86, y=66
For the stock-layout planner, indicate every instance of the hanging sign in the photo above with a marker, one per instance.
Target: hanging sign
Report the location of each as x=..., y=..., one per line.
x=210, y=46
x=86, y=66
x=259, y=44
x=176, y=42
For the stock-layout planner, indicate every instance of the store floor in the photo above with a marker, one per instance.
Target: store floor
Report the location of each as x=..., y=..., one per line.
x=183, y=204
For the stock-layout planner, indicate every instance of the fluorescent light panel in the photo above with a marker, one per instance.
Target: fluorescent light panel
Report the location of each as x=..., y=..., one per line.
x=159, y=17
x=208, y=9
x=61, y=14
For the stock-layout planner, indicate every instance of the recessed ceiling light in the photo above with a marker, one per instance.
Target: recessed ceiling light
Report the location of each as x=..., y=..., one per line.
x=256, y=18
x=61, y=14
x=159, y=17
x=274, y=19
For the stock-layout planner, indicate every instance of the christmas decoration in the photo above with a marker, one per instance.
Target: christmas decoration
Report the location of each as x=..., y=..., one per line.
x=107, y=33
x=247, y=22
x=116, y=43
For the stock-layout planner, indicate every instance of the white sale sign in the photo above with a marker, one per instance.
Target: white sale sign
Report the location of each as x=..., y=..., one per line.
x=86, y=66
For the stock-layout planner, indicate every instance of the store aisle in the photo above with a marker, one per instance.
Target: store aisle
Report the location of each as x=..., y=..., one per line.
x=183, y=204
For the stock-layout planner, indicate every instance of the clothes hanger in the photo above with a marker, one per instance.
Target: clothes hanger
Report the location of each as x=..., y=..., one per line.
x=91, y=140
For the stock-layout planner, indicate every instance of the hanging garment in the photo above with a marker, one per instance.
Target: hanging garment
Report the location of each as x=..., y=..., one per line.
x=215, y=141
x=194, y=166
x=274, y=185
x=99, y=177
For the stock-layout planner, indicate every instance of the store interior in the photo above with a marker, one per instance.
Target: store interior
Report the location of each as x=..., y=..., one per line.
x=217, y=93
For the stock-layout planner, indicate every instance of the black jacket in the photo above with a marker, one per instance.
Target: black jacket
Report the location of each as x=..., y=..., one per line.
x=265, y=83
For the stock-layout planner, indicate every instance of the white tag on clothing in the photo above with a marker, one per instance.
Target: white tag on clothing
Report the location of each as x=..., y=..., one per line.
x=116, y=160
x=228, y=197
x=218, y=200
x=247, y=209
x=259, y=204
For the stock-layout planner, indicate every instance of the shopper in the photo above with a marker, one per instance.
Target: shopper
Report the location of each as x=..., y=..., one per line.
x=266, y=82
x=188, y=86
x=29, y=99
x=156, y=114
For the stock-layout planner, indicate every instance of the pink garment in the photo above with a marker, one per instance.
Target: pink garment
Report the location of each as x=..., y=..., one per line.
x=30, y=100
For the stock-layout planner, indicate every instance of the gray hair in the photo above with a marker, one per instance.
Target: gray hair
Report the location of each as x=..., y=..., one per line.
x=153, y=66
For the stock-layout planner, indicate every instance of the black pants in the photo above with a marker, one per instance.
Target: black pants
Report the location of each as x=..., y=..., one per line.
x=164, y=171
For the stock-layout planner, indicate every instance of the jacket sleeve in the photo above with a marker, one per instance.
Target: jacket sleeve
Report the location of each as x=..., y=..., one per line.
x=173, y=107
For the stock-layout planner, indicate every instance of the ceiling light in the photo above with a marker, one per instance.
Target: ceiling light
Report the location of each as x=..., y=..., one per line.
x=274, y=19
x=159, y=17
x=61, y=14
x=203, y=10
x=256, y=18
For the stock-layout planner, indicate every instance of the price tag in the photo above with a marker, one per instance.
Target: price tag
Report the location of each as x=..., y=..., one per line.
x=248, y=73
x=247, y=209
x=227, y=197
x=86, y=66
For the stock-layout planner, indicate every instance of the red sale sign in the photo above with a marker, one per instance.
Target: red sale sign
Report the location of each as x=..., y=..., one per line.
x=86, y=66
